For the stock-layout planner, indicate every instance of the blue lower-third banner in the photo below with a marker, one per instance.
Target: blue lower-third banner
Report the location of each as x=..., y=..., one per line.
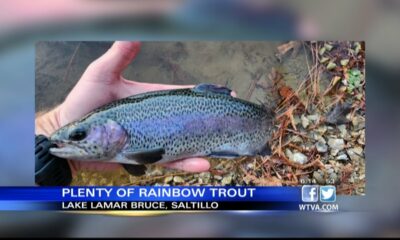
x=150, y=198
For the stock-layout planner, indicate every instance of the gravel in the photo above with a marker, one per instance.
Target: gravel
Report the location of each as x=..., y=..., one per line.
x=304, y=121
x=321, y=147
x=342, y=157
x=178, y=179
x=299, y=158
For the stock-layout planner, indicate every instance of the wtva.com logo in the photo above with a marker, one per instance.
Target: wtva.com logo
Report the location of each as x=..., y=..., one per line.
x=309, y=193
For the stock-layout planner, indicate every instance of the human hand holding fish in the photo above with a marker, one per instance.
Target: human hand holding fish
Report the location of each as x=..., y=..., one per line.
x=102, y=83
x=107, y=119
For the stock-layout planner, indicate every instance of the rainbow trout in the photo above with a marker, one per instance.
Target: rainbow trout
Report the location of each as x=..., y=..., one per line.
x=163, y=126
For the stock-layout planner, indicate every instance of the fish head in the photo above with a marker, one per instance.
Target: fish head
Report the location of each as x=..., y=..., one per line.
x=89, y=139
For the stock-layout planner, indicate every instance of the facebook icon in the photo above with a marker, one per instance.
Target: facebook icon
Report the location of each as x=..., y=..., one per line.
x=309, y=193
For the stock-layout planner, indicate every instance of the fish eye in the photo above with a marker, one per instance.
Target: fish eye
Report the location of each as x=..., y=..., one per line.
x=77, y=134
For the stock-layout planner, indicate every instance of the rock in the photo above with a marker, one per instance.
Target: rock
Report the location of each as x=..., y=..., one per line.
x=192, y=181
x=103, y=181
x=205, y=175
x=168, y=179
x=319, y=138
x=357, y=48
x=314, y=118
x=337, y=115
x=358, y=150
x=342, y=157
x=324, y=59
x=361, y=139
x=321, y=147
x=132, y=178
x=342, y=89
x=220, y=166
x=308, y=146
x=355, y=135
x=217, y=177
x=288, y=153
x=156, y=172
x=296, y=139
x=343, y=131
x=92, y=182
x=299, y=158
x=334, y=152
x=319, y=177
x=344, y=62
x=328, y=46
x=178, y=179
x=333, y=178
x=355, y=154
x=322, y=51
x=304, y=121
x=322, y=139
x=358, y=123
x=314, y=136
x=336, y=144
x=322, y=129
x=296, y=120
x=226, y=180
x=331, y=65
x=250, y=166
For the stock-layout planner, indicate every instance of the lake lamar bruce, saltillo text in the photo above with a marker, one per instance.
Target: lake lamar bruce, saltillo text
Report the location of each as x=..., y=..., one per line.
x=139, y=206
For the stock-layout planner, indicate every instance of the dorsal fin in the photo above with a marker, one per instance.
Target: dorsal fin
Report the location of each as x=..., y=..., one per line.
x=206, y=87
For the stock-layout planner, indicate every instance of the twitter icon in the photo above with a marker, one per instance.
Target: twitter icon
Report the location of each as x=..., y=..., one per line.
x=327, y=193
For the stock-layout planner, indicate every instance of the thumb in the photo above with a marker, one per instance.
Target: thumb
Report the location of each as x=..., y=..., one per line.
x=117, y=58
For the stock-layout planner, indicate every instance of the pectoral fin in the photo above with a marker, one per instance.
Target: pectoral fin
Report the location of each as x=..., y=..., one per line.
x=206, y=87
x=145, y=156
x=135, y=170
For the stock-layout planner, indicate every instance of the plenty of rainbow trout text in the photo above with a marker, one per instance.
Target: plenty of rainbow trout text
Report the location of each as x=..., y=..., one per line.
x=163, y=126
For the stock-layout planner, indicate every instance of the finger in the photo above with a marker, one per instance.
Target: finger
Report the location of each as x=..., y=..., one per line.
x=117, y=58
x=190, y=165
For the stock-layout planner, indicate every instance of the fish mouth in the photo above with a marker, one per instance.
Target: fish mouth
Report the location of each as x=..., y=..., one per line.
x=66, y=149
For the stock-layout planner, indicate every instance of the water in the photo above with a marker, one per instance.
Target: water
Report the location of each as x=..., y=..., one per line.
x=237, y=65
